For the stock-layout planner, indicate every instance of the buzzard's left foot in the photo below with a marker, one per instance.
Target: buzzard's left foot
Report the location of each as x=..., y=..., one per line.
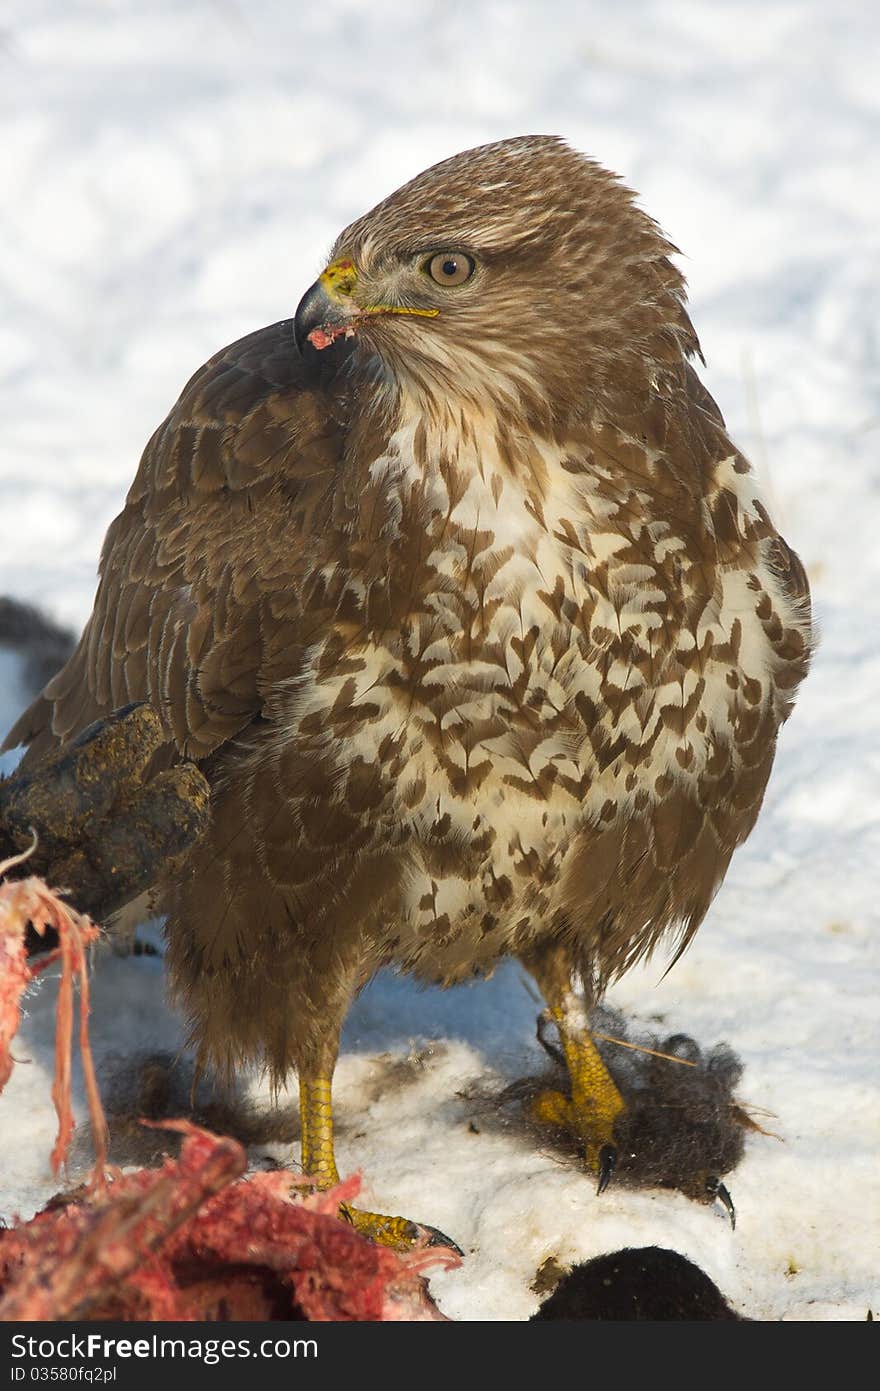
x=594, y=1105
x=721, y=1194
x=590, y=1119
x=607, y=1165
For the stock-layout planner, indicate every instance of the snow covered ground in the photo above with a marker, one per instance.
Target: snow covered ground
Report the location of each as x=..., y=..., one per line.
x=172, y=174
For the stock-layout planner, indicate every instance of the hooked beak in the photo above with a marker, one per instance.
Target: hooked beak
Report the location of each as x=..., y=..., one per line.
x=328, y=309
x=319, y=309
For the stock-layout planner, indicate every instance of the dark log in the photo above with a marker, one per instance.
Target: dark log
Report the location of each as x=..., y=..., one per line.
x=104, y=823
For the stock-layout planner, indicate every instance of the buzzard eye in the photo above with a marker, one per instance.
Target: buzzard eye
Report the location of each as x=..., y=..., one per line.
x=450, y=267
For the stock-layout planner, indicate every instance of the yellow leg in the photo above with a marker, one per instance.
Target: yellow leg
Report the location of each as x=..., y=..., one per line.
x=319, y=1163
x=595, y=1103
x=316, y=1119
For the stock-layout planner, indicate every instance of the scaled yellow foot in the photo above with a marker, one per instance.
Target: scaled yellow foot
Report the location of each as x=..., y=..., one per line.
x=595, y=1103
x=319, y=1162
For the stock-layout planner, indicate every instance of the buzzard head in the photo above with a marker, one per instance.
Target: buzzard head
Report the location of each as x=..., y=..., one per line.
x=520, y=273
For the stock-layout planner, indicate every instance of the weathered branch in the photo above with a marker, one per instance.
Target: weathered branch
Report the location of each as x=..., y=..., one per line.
x=103, y=823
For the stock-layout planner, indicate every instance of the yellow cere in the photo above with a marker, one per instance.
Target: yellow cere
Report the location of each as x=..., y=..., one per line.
x=339, y=280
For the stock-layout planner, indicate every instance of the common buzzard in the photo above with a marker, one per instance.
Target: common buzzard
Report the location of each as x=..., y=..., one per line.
x=460, y=595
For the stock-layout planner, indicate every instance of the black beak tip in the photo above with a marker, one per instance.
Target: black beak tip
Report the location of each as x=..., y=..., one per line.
x=311, y=312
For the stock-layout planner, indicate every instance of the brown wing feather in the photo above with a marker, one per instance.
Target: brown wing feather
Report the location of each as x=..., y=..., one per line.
x=198, y=606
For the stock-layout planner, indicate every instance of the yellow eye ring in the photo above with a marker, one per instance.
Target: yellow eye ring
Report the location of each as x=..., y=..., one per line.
x=450, y=268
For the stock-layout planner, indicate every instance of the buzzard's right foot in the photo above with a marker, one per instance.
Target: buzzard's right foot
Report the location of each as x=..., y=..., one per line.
x=396, y=1232
x=318, y=1160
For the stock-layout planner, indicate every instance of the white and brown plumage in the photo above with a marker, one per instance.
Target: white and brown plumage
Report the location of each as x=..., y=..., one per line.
x=470, y=611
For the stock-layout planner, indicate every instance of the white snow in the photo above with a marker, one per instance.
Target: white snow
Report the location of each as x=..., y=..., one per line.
x=172, y=177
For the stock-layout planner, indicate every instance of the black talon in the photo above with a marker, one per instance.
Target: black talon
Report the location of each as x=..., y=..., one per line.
x=717, y=1190
x=607, y=1165
x=556, y=1053
x=438, y=1238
